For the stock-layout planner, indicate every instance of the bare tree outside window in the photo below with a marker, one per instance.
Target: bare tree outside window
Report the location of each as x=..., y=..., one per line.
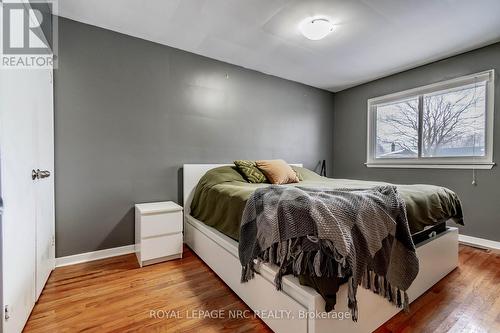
x=397, y=130
x=453, y=124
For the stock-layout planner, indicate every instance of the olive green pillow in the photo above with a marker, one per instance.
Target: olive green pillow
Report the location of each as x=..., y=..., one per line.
x=297, y=172
x=250, y=171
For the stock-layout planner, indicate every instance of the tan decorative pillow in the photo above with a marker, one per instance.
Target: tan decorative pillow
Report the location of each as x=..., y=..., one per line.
x=277, y=171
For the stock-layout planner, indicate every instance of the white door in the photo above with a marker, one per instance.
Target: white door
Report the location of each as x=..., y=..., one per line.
x=18, y=194
x=26, y=144
x=44, y=186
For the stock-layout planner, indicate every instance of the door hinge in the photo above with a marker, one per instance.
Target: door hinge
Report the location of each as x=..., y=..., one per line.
x=53, y=240
x=6, y=312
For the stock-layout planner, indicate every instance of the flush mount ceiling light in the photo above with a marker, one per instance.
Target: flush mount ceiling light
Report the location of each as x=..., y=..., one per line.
x=316, y=28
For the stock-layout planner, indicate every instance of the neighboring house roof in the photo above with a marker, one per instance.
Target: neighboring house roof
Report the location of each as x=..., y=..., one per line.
x=450, y=151
x=403, y=151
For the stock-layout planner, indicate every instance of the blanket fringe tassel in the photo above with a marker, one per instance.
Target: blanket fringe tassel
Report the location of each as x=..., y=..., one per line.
x=321, y=263
x=378, y=284
x=247, y=272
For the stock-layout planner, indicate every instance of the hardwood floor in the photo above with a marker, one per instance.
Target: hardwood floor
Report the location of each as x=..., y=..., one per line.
x=466, y=300
x=114, y=295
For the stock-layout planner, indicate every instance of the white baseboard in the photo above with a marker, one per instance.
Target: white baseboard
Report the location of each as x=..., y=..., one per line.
x=480, y=242
x=127, y=249
x=90, y=256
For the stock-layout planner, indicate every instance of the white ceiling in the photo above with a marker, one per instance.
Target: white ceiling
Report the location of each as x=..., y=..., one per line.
x=374, y=38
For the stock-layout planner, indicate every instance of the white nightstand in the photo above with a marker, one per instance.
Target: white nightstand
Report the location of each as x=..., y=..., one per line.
x=158, y=232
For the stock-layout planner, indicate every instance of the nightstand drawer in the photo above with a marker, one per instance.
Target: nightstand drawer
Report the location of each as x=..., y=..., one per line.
x=161, y=246
x=161, y=224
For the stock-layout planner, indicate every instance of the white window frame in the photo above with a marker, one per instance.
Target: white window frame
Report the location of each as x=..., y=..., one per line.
x=477, y=162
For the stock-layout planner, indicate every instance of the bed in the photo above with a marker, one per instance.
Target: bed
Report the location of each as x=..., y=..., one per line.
x=302, y=305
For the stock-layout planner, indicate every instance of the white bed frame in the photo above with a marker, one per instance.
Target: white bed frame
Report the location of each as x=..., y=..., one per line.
x=284, y=311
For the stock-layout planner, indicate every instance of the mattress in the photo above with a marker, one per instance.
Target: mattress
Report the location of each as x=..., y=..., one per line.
x=221, y=195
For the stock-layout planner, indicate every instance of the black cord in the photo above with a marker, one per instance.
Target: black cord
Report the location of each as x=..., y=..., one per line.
x=323, y=168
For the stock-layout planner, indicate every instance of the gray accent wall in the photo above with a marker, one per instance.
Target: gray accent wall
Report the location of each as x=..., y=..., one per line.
x=129, y=113
x=481, y=203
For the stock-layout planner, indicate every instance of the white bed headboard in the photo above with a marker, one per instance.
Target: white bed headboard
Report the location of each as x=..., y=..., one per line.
x=192, y=174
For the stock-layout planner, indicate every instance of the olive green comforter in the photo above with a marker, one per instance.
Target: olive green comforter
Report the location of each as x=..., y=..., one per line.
x=221, y=195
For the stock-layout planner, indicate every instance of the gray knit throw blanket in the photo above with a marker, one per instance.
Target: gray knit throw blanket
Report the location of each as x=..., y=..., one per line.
x=363, y=232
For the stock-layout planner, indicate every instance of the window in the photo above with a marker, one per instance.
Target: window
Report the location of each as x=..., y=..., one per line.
x=443, y=125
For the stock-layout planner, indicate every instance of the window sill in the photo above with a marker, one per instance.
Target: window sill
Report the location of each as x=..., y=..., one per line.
x=477, y=166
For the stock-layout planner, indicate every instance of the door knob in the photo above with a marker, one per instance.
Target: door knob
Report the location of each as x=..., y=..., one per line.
x=44, y=174
x=39, y=174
